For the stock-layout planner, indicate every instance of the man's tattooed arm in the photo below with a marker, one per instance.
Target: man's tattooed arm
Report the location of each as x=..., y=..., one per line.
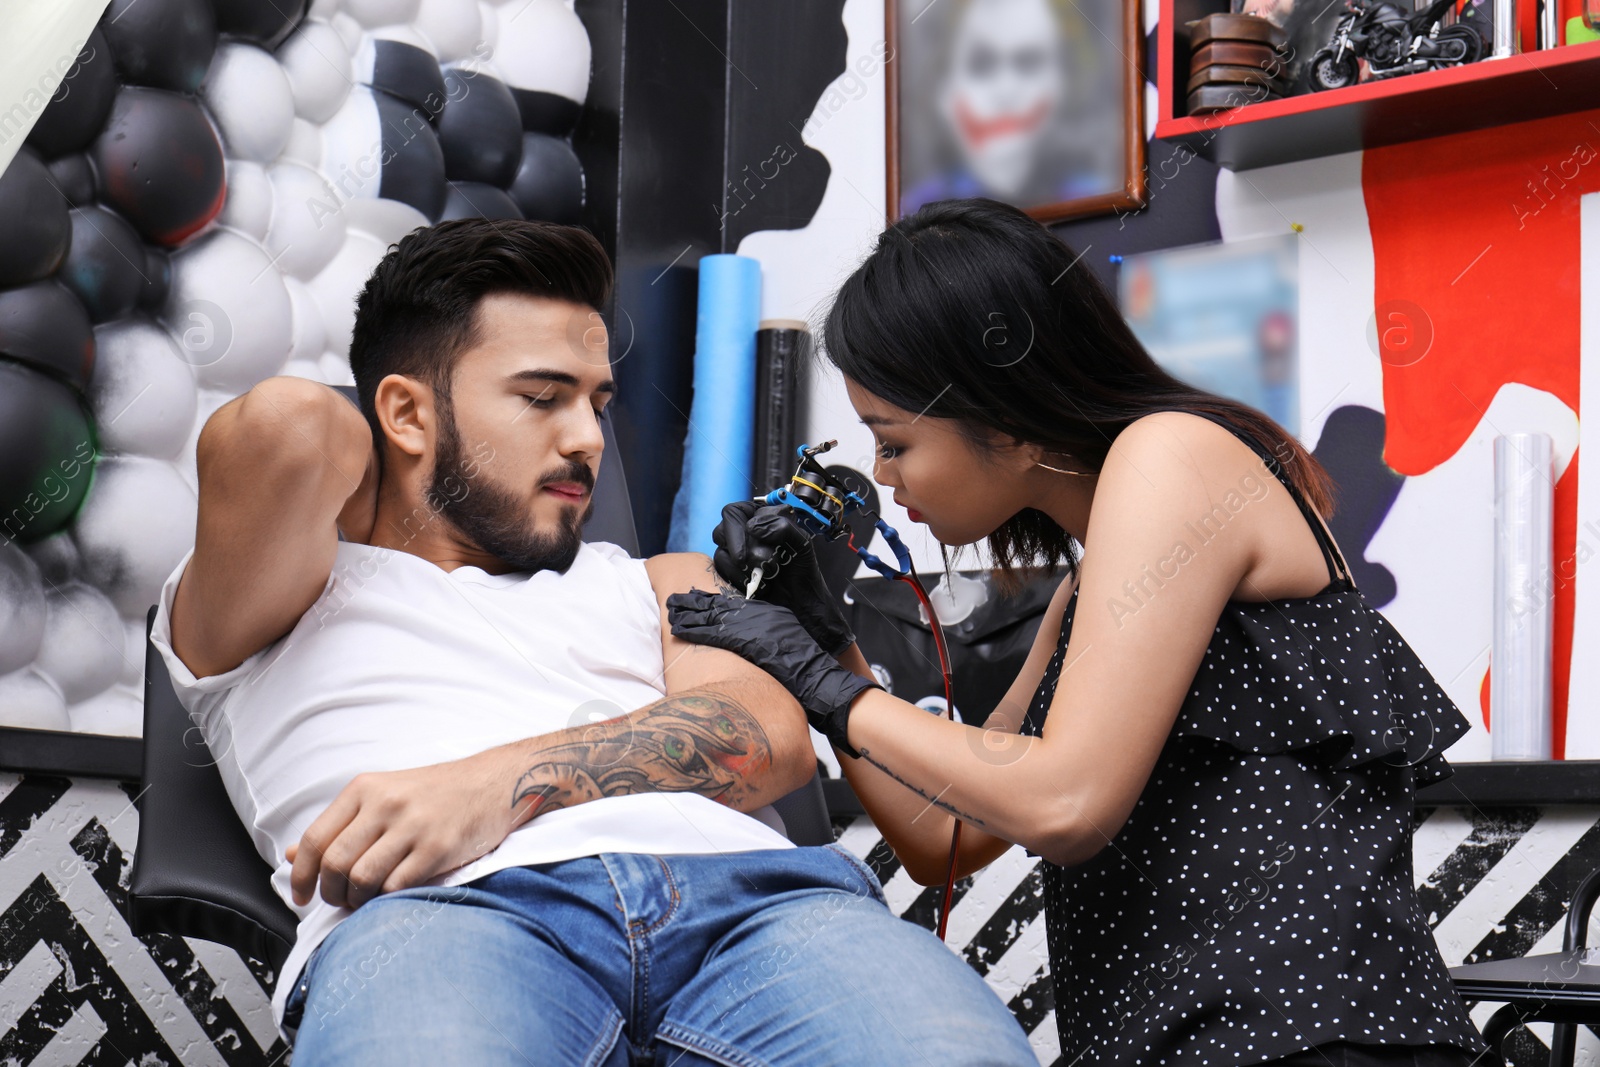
x=721, y=584
x=699, y=741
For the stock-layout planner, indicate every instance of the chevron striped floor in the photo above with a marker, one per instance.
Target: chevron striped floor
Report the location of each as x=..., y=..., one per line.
x=77, y=988
x=75, y=985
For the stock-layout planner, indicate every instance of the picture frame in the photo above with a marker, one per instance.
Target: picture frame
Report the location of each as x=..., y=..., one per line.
x=1036, y=103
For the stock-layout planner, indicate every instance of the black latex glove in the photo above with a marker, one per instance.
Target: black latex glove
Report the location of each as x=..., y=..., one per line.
x=752, y=534
x=770, y=636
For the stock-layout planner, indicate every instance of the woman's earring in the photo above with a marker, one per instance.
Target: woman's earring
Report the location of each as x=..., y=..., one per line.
x=1058, y=470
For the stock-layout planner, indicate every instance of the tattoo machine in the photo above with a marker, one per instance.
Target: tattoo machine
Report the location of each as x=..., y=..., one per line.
x=820, y=504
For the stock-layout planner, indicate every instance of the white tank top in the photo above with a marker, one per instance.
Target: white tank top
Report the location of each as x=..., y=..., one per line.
x=402, y=664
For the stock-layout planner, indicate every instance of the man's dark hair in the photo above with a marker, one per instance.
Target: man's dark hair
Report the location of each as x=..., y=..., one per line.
x=418, y=311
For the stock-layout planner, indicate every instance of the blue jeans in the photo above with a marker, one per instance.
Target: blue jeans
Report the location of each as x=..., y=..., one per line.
x=745, y=959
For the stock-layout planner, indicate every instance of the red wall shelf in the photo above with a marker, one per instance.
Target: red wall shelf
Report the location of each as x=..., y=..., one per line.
x=1491, y=92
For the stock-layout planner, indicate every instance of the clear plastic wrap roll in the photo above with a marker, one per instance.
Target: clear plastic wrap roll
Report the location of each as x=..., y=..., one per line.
x=1505, y=29
x=1524, y=546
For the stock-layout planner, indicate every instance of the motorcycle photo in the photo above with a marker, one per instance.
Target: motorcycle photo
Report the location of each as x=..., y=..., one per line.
x=1393, y=41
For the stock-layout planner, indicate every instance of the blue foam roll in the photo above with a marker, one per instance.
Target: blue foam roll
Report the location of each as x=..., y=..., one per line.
x=717, y=450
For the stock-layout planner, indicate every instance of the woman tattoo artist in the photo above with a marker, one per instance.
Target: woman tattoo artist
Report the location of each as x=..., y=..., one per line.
x=1215, y=741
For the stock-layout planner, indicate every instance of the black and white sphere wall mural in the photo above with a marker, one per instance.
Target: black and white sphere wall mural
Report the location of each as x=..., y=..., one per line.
x=194, y=209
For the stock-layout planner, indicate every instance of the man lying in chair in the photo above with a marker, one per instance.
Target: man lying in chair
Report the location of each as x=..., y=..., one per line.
x=519, y=820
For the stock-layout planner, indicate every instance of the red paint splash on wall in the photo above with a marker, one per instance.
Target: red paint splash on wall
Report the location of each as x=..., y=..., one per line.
x=1480, y=231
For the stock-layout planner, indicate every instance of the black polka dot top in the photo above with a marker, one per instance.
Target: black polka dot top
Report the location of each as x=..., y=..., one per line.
x=1260, y=898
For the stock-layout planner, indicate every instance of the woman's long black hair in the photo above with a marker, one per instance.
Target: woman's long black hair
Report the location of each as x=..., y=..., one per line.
x=971, y=311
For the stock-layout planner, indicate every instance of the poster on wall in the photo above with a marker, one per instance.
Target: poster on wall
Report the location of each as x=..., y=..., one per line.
x=1037, y=103
x=1222, y=317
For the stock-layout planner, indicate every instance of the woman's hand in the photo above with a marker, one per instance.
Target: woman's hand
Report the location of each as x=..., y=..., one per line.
x=752, y=535
x=770, y=636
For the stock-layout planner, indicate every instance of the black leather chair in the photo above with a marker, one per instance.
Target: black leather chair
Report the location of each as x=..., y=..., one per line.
x=1552, y=987
x=196, y=872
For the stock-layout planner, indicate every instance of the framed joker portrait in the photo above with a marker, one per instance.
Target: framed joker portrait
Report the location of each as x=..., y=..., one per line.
x=1037, y=103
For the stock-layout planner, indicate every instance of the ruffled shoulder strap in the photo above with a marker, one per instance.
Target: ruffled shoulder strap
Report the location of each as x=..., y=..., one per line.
x=1326, y=677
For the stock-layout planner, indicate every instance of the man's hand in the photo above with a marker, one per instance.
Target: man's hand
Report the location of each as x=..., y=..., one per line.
x=359, y=515
x=395, y=829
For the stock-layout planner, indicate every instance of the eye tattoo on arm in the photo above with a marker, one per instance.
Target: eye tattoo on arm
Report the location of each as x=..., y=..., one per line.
x=694, y=742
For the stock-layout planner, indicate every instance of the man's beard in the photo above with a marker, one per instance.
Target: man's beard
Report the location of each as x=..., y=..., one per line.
x=492, y=519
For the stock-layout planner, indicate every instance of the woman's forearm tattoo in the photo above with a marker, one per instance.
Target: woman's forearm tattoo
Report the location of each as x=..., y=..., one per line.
x=699, y=742
x=931, y=798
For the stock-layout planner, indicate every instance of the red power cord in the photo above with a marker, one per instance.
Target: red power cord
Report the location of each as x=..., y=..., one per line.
x=911, y=579
x=950, y=713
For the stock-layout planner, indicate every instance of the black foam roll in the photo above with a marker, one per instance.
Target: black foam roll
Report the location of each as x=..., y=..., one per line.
x=34, y=228
x=78, y=108
x=45, y=326
x=782, y=348
x=477, y=200
x=166, y=44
